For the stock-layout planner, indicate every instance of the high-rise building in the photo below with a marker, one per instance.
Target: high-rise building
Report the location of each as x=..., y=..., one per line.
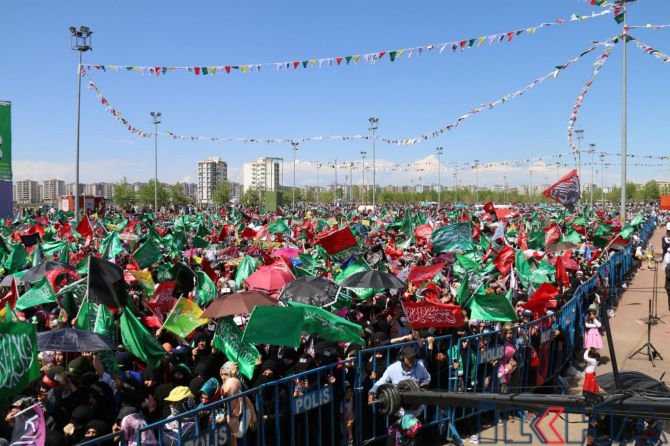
x=262, y=174
x=27, y=191
x=211, y=172
x=52, y=189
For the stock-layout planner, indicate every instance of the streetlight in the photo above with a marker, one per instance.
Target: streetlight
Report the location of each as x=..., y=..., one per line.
x=374, y=125
x=505, y=188
x=477, y=183
x=295, y=149
x=455, y=174
x=439, y=180
x=580, y=137
x=80, y=41
x=318, y=166
x=335, y=194
x=624, y=108
x=155, y=119
x=351, y=181
x=602, y=179
x=365, y=195
x=593, y=150
x=530, y=189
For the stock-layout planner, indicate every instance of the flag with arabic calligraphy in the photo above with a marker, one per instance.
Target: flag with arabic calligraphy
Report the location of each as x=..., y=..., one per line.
x=566, y=190
x=426, y=314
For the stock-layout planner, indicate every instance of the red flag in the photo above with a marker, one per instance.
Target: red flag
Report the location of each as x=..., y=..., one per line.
x=541, y=297
x=490, y=209
x=561, y=273
x=424, y=273
x=207, y=269
x=425, y=314
x=552, y=234
x=566, y=190
x=505, y=260
x=336, y=241
x=248, y=232
x=11, y=297
x=162, y=299
x=84, y=227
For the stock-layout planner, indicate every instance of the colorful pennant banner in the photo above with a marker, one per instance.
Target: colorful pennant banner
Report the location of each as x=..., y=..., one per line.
x=370, y=58
x=597, y=65
x=488, y=105
x=646, y=49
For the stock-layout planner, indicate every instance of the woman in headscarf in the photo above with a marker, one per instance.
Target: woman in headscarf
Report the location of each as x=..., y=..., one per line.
x=130, y=425
x=240, y=413
x=181, y=400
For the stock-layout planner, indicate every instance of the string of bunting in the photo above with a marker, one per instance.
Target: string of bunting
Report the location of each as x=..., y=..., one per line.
x=143, y=134
x=597, y=66
x=370, y=58
x=647, y=26
x=489, y=105
x=646, y=49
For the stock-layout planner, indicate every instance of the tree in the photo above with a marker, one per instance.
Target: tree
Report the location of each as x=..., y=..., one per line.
x=145, y=195
x=651, y=191
x=124, y=195
x=221, y=194
x=252, y=197
x=177, y=196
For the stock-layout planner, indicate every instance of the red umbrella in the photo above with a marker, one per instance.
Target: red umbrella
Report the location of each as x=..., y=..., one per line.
x=269, y=279
x=241, y=303
x=286, y=253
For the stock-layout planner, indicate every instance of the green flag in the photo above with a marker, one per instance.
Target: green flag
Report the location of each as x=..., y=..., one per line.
x=138, y=341
x=278, y=227
x=626, y=231
x=18, y=349
x=492, y=307
x=184, y=318
x=147, y=254
x=40, y=293
x=462, y=295
x=356, y=267
x=110, y=246
x=205, y=289
x=104, y=321
x=17, y=259
x=275, y=326
x=637, y=220
x=468, y=261
x=199, y=242
x=37, y=255
x=246, y=268
x=327, y=325
x=228, y=339
x=457, y=236
x=87, y=315
x=522, y=268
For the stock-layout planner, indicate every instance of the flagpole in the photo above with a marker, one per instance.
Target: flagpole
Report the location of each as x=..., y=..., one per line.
x=624, y=120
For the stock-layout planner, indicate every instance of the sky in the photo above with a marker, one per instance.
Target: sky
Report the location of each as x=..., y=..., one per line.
x=418, y=94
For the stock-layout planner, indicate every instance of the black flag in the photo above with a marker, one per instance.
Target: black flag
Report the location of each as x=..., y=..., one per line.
x=105, y=283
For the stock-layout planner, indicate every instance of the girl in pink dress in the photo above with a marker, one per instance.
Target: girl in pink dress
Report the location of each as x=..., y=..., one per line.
x=592, y=337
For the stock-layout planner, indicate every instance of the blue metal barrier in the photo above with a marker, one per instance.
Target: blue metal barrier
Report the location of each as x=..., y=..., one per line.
x=309, y=408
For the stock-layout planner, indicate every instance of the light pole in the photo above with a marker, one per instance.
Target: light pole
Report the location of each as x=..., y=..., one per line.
x=530, y=189
x=455, y=174
x=351, y=181
x=335, y=194
x=624, y=111
x=505, y=188
x=374, y=125
x=580, y=137
x=602, y=179
x=477, y=183
x=295, y=145
x=155, y=119
x=558, y=172
x=365, y=195
x=592, y=150
x=318, y=166
x=439, y=150
x=80, y=41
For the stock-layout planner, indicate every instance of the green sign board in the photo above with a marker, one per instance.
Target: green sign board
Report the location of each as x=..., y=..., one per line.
x=5, y=140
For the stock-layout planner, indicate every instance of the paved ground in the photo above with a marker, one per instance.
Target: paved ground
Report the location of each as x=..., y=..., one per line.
x=629, y=334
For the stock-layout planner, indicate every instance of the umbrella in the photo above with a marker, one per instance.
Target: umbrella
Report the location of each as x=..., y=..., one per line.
x=373, y=279
x=73, y=340
x=241, y=303
x=286, y=253
x=560, y=246
x=36, y=273
x=311, y=290
x=269, y=279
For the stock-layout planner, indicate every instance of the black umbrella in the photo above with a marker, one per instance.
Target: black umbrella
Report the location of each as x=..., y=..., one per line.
x=373, y=279
x=37, y=272
x=310, y=290
x=73, y=340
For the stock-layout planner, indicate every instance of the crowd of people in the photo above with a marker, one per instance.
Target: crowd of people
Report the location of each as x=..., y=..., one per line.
x=84, y=397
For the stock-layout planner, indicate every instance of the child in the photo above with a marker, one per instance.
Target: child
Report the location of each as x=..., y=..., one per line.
x=649, y=255
x=592, y=337
x=591, y=356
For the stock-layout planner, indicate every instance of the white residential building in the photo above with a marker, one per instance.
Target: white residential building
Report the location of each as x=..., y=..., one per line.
x=211, y=172
x=262, y=174
x=52, y=189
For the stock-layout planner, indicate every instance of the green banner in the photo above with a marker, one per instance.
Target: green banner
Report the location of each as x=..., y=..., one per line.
x=5, y=140
x=228, y=339
x=18, y=350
